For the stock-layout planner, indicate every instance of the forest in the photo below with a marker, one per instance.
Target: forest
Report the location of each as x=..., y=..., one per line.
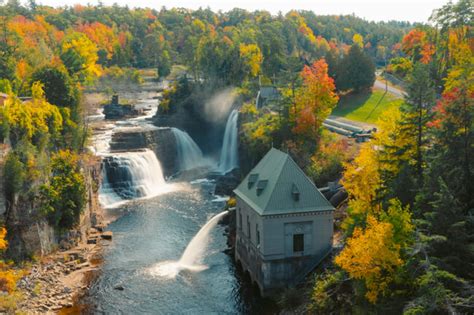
x=407, y=226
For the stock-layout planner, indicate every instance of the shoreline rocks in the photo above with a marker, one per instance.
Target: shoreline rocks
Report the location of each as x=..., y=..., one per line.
x=60, y=279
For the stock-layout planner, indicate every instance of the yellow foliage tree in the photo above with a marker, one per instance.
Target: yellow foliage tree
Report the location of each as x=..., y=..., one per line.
x=252, y=57
x=362, y=181
x=383, y=155
x=358, y=39
x=79, y=55
x=3, y=242
x=371, y=255
x=9, y=295
x=33, y=118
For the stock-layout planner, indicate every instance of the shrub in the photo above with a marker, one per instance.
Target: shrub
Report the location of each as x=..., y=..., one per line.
x=14, y=175
x=63, y=198
x=327, y=163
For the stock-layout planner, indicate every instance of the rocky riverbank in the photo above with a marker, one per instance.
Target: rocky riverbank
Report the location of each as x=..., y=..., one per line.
x=54, y=284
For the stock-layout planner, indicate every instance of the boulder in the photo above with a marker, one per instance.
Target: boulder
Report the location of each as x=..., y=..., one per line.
x=117, y=111
x=227, y=183
x=107, y=235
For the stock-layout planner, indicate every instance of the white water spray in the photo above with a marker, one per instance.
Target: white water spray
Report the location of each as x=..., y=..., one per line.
x=229, y=155
x=131, y=175
x=189, y=154
x=192, y=257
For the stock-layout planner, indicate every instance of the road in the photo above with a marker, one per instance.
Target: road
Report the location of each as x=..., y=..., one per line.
x=392, y=90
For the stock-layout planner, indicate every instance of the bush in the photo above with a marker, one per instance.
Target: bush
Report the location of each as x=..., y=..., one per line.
x=59, y=89
x=13, y=175
x=64, y=197
x=327, y=163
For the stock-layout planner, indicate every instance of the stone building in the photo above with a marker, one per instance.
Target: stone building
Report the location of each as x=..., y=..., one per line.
x=284, y=223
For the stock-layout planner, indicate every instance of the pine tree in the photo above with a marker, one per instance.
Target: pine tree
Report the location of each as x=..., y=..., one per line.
x=356, y=71
x=419, y=102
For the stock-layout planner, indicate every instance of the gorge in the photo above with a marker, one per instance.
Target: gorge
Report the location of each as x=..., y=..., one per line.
x=169, y=242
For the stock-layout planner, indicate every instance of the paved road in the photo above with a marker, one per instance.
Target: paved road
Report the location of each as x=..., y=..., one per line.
x=392, y=90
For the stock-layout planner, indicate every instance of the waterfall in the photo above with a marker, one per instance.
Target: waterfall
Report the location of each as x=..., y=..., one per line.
x=191, y=259
x=130, y=175
x=229, y=155
x=258, y=99
x=189, y=154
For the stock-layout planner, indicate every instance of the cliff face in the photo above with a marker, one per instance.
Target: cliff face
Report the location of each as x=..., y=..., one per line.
x=202, y=112
x=161, y=141
x=3, y=202
x=29, y=234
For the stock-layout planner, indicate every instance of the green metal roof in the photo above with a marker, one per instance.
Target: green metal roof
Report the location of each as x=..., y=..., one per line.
x=277, y=186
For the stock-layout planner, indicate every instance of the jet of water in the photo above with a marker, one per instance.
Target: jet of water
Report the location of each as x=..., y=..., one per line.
x=192, y=257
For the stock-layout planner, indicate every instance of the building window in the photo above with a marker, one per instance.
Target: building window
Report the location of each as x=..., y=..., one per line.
x=257, y=233
x=240, y=220
x=298, y=243
x=248, y=226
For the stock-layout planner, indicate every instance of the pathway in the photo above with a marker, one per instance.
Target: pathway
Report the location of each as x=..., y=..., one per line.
x=392, y=90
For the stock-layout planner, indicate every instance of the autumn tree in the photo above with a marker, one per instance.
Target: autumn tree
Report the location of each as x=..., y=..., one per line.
x=37, y=120
x=313, y=101
x=8, y=278
x=252, y=58
x=374, y=254
x=64, y=196
x=59, y=89
x=79, y=55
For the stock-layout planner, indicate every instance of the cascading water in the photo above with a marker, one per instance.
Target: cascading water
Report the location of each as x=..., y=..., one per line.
x=257, y=100
x=192, y=257
x=189, y=154
x=229, y=155
x=130, y=175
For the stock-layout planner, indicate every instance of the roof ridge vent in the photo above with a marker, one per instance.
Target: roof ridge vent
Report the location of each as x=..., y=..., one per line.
x=295, y=193
x=252, y=180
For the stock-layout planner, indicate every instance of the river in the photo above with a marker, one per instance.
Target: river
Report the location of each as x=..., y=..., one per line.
x=151, y=235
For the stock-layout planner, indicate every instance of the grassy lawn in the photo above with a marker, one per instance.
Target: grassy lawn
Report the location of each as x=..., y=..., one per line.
x=366, y=106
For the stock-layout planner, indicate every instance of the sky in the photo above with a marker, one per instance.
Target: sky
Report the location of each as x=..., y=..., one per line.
x=373, y=10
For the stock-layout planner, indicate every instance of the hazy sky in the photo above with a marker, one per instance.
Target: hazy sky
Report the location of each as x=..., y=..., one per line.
x=405, y=10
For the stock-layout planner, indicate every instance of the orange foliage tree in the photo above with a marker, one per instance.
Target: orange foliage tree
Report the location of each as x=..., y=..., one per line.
x=416, y=45
x=314, y=101
x=101, y=35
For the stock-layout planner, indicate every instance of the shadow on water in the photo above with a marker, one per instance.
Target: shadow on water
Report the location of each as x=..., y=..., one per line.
x=249, y=296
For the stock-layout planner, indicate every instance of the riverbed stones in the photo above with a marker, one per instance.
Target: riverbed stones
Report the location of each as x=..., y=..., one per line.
x=53, y=284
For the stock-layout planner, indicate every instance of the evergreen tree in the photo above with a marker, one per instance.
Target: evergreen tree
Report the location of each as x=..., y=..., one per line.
x=446, y=201
x=419, y=102
x=356, y=71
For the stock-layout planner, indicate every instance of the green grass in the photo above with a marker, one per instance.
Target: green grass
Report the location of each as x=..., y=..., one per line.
x=366, y=106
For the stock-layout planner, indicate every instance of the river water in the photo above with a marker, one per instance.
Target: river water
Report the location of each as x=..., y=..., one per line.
x=151, y=233
x=157, y=230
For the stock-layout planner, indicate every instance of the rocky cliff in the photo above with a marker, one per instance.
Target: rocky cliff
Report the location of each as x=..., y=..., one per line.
x=199, y=110
x=29, y=234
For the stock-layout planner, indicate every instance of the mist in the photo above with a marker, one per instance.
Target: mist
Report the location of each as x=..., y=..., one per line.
x=217, y=108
